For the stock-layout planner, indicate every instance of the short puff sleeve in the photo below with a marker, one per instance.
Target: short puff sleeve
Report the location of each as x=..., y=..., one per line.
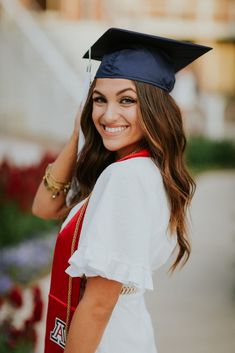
x=116, y=231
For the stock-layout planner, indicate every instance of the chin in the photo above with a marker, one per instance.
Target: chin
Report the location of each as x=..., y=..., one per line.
x=112, y=148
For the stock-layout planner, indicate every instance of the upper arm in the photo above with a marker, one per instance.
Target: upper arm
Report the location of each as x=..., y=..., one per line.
x=101, y=293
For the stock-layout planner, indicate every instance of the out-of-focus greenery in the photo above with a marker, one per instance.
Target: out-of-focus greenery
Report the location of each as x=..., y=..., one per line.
x=18, y=186
x=204, y=154
x=25, y=346
x=16, y=225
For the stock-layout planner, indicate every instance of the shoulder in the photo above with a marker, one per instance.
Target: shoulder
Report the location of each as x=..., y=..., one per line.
x=139, y=170
x=134, y=183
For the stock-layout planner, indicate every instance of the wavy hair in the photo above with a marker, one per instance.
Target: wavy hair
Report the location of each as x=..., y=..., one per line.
x=161, y=122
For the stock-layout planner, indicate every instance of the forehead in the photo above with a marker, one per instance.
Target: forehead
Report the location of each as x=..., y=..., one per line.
x=113, y=84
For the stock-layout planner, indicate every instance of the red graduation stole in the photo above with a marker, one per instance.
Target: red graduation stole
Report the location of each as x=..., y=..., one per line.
x=65, y=291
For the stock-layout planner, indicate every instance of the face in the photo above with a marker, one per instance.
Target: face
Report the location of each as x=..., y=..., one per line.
x=115, y=115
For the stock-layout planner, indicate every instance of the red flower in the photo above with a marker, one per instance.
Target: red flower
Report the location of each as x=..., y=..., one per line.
x=11, y=343
x=27, y=323
x=38, y=305
x=20, y=184
x=29, y=334
x=15, y=297
x=14, y=332
x=36, y=293
x=37, y=311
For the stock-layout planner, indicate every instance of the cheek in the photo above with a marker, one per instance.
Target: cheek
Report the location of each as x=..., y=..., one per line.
x=133, y=117
x=130, y=114
x=138, y=131
x=96, y=113
x=137, y=125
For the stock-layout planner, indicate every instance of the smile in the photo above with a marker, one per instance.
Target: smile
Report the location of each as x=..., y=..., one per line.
x=114, y=130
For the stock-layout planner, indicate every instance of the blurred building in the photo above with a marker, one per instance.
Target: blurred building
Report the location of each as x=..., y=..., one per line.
x=43, y=41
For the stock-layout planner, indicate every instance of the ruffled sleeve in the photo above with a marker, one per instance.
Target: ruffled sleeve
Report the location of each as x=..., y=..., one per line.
x=116, y=231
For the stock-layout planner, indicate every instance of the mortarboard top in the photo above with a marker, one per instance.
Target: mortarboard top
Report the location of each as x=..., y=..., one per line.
x=142, y=57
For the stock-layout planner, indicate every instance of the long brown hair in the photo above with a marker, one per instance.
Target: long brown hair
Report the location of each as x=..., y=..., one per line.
x=161, y=122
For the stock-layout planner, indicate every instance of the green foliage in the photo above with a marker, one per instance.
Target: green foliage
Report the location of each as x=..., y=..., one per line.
x=24, y=346
x=18, y=186
x=16, y=225
x=203, y=153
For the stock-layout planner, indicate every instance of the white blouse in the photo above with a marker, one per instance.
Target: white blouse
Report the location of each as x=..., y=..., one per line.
x=124, y=235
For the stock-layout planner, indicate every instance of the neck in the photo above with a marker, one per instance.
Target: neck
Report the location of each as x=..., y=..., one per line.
x=129, y=150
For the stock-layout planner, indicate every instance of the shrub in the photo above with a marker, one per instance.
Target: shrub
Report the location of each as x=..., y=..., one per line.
x=203, y=153
x=24, y=262
x=15, y=225
x=18, y=186
x=23, y=339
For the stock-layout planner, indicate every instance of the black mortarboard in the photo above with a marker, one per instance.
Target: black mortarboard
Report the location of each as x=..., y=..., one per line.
x=142, y=57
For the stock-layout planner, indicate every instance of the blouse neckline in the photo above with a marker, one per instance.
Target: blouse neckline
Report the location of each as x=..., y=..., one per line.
x=142, y=153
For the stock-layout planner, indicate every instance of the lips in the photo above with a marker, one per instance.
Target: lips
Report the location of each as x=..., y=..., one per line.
x=114, y=130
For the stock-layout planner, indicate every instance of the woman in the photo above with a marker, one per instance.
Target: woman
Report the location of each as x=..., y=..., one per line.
x=134, y=190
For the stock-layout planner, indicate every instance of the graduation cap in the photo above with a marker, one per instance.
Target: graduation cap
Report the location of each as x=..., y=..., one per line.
x=142, y=57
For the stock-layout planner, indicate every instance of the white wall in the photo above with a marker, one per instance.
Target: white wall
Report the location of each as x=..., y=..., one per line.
x=32, y=100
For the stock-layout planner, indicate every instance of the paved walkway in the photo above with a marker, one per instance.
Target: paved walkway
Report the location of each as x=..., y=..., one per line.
x=194, y=310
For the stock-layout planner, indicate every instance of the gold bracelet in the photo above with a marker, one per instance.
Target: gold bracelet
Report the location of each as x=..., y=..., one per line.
x=54, y=185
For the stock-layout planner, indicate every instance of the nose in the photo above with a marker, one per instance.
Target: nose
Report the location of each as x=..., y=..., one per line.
x=111, y=113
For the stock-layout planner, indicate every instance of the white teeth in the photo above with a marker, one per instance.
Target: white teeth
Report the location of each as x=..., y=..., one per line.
x=114, y=129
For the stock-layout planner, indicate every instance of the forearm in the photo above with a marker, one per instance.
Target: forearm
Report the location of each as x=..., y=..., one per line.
x=62, y=168
x=86, y=330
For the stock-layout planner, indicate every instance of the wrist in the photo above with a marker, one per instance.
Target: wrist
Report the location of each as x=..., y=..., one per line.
x=53, y=185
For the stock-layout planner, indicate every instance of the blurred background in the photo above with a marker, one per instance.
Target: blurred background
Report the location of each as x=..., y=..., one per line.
x=41, y=82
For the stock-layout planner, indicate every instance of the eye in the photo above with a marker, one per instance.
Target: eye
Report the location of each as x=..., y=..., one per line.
x=128, y=100
x=99, y=99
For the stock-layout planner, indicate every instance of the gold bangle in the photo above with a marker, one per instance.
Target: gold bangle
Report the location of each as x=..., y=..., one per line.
x=54, y=185
x=48, y=173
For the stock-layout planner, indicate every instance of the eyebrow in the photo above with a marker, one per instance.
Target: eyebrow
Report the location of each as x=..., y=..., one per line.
x=119, y=92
